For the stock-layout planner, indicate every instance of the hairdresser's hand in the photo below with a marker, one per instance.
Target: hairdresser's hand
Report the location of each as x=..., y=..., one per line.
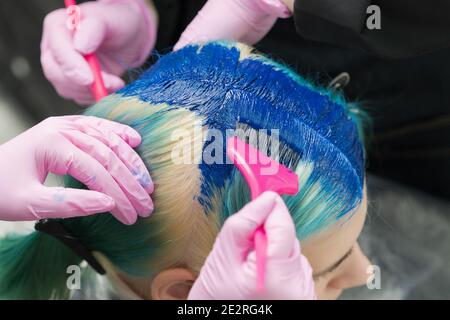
x=121, y=32
x=95, y=151
x=247, y=21
x=230, y=269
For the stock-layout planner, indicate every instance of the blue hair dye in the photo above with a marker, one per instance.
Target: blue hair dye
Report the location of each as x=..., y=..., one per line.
x=215, y=83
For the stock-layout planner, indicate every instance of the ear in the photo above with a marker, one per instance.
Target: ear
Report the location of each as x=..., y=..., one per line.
x=172, y=284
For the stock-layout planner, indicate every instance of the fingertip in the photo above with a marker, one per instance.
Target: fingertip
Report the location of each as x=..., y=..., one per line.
x=150, y=187
x=149, y=212
x=279, y=202
x=265, y=200
x=81, y=45
x=254, y=214
x=270, y=196
x=127, y=134
x=144, y=179
x=146, y=206
x=108, y=203
x=132, y=220
x=134, y=138
x=126, y=219
x=112, y=82
x=281, y=216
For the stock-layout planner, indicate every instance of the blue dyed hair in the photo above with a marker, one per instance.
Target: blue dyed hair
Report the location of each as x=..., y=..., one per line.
x=217, y=86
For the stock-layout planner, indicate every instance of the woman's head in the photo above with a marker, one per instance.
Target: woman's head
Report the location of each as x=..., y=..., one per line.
x=185, y=107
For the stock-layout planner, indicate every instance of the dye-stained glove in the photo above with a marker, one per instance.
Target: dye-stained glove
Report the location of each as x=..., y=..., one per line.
x=247, y=21
x=121, y=32
x=230, y=270
x=95, y=151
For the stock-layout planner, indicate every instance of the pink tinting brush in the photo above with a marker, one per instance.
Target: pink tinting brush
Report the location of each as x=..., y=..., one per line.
x=98, y=87
x=262, y=174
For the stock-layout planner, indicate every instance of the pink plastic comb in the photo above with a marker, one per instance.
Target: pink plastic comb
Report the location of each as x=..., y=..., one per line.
x=262, y=174
x=98, y=87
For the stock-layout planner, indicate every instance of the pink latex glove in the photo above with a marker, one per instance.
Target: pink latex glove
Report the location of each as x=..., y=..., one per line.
x=95, y=151
x=230, y=270
x=247, y=21
x=121, y=32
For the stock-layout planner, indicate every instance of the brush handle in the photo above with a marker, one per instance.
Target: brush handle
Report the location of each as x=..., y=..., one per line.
x=98, y=87
x=260, y=240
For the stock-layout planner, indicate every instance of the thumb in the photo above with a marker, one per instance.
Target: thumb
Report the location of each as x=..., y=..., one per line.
x=236, y=236
x=280, y=230
x=89, y=35
x=60, y=202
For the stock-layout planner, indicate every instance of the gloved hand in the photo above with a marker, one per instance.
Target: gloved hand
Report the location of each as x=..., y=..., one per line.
x=95, y=151
x=121, y=32
x=230, y=270
x=247, y=21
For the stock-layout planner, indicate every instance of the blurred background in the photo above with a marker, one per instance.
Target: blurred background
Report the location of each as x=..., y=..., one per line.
x=407, y=233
